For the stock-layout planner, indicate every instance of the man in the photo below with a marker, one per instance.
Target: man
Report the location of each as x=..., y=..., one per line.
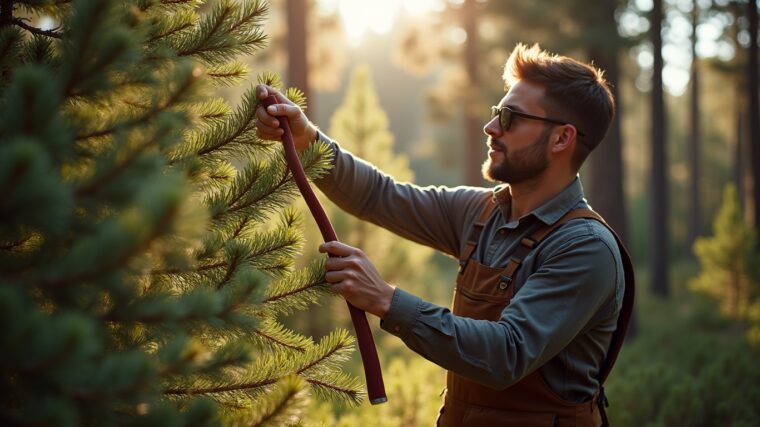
x=542, y=279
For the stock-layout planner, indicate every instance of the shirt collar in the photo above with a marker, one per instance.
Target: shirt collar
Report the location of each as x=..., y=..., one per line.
x=551, y=211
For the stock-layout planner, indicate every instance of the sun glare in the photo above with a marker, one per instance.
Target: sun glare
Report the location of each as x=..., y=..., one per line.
x=362, y=16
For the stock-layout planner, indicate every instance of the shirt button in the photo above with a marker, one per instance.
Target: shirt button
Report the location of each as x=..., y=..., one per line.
x=502, y=231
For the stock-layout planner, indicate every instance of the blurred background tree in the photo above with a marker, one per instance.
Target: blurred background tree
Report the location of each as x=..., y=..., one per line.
x=361, y=126
x=415, y=385
x=142, y=273
x=729, y=263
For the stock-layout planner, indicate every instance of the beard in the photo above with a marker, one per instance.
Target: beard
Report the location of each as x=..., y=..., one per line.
x=522, y=165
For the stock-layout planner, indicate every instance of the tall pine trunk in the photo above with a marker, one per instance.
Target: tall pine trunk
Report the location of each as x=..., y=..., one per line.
x=298, y=61
x=607, y=192
x=607, y=171
x=659, y=241
x=694, y=144
x=754, y=107
x=473, y=119
x=741, y=171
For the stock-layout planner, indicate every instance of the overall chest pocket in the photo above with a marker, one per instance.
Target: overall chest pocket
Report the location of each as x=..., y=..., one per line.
x=481, y=293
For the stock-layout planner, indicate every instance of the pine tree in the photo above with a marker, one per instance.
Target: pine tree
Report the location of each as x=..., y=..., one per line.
x=143, y=276
x=729, y=264
x=361, y=127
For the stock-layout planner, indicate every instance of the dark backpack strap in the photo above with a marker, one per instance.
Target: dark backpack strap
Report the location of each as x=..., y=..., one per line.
x=475, y=231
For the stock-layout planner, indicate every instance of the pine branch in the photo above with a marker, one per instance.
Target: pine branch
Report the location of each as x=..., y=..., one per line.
x=248, y=185
x=240, y=127
x=9, y=42
x=11, y=245
x=298, y=290
x=330, y=350
x=220, y=389
x=283, y=406
x=182, y=21
x=350, y=390
x=119, y=262
x=275, y=337
x=227, y=74
x=292, y=292
x=189, y=80
x=279, y=342
x=239, y=229
x=86, y=28
x=261, y=252
x=123, y=164
x=237, y=203
x=19, y=22
x=211, y=112
x=214, y=42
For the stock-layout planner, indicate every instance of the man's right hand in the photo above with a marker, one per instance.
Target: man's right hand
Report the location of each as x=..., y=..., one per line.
x=268, y=124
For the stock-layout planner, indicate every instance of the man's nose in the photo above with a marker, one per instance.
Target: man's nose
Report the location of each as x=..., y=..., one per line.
x=493, y=128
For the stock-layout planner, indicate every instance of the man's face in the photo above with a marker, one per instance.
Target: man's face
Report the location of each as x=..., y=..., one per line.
x=520, y=153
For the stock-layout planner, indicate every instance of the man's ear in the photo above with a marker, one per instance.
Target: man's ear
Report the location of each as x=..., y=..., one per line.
x=562, y=138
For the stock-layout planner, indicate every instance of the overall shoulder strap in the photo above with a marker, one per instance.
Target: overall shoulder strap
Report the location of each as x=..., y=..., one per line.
x=475, y=231
x=528, y=243
x=624, y=318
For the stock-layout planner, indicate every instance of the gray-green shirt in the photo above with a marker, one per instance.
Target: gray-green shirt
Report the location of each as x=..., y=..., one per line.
x=569, y=294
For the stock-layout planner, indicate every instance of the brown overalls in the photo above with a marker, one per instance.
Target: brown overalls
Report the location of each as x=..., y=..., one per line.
x=482, y=292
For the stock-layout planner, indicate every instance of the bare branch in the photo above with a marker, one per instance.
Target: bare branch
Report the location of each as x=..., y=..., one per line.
x=19, y=22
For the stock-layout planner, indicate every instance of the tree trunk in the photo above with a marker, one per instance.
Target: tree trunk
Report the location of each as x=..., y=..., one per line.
x=473, y=118
x=298, y=65
x=607, y=191
x=754, y=108
x=607, y=170
x=694, y=227
x=659, y=204
x=738, y=169
x=741, y=170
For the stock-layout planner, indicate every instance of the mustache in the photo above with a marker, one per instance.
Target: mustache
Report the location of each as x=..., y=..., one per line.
x=497, y=144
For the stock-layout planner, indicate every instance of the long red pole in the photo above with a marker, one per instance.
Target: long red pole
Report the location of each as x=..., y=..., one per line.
x=370, y=361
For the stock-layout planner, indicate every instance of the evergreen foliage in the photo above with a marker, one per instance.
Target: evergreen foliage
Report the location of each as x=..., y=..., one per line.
x=729, y=263
x=688, y=366
x=415, y=385
x=141, y=273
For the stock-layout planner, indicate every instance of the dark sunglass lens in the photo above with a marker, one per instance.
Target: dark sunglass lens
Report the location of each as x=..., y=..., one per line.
x=505, y=119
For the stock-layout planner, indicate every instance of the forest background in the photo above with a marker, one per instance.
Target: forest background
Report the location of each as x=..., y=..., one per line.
x=198, y=312
x=674, y=175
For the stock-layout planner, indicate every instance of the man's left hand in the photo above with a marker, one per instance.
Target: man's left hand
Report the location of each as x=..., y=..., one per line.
x=351, y=274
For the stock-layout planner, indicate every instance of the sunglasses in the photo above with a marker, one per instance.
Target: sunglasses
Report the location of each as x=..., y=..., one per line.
x=506, y=115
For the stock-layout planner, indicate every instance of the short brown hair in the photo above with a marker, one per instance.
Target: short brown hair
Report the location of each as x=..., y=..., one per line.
x=575, y=92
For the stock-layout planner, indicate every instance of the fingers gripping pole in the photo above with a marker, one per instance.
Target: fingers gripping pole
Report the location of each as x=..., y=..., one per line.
x=372, y=372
